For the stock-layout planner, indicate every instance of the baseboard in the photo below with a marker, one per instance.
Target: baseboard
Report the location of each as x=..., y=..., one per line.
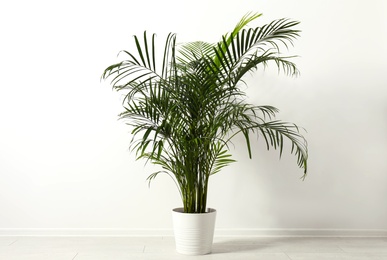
x=218, y=232
x=302, y=232
x=85, y=232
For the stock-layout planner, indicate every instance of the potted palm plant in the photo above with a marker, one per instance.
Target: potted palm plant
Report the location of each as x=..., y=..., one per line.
x=186, y=105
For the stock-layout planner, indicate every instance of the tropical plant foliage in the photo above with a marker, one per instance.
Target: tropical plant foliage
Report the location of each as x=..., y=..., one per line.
x=187, y=106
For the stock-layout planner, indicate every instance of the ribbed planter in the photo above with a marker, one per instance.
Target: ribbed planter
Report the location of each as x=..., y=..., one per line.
x=194, y=233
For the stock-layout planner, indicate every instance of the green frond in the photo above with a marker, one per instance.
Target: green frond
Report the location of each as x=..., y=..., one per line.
x=184, y=104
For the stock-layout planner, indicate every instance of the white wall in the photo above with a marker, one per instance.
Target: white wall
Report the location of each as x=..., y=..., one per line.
x=64, y=160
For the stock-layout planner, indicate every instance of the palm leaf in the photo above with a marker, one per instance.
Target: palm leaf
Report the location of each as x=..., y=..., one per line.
x=185, y=113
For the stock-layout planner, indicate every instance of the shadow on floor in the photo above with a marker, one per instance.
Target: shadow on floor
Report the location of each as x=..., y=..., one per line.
x=235, y=246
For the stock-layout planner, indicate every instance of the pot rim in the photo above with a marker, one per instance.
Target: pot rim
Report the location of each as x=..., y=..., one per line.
x=180, y=210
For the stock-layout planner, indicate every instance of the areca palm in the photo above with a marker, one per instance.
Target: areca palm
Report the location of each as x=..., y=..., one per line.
x=186, y=108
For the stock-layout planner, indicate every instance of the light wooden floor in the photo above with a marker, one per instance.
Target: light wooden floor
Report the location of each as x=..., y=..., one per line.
x=120, y=248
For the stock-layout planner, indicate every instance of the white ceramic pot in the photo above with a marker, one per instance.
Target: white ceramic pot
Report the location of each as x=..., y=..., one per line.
x=194, y=233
